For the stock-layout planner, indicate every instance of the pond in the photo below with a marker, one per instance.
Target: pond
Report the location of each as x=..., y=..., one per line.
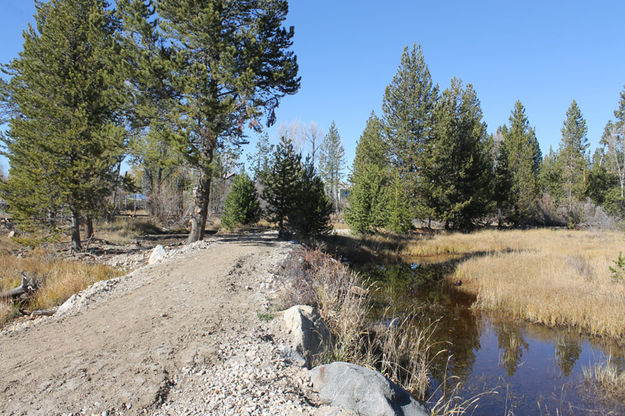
x=535, y=370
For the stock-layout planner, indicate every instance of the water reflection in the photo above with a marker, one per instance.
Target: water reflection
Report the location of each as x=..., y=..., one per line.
x=533, y=367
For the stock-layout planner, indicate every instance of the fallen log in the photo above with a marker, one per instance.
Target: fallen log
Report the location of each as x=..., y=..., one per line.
x=25, y=287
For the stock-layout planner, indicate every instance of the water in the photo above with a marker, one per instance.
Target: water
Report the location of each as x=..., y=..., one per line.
x=535, y=370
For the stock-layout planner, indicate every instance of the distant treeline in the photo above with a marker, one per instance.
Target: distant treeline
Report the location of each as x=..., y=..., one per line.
x=429, y=157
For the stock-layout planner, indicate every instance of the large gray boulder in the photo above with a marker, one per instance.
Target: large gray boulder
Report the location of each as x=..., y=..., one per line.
x=308, y=334
x=363, y=391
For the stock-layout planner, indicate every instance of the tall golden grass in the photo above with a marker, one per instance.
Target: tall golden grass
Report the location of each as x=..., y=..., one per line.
x=551, y=277
x=58, y=279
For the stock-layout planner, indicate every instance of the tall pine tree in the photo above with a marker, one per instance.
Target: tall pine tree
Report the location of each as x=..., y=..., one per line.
x=572, y=161
x=66, y=92
x=458, y=162
x=331, y=163
x=369, y=179
x=407, y=117
x=231, y=64
x=520, y=164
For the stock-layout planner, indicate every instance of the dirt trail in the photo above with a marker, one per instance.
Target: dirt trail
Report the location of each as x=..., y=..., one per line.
x=126, y=351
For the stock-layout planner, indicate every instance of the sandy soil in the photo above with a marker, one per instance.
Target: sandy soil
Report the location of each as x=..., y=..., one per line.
x=134, y=342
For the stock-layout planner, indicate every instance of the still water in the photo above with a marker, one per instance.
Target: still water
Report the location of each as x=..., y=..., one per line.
x=534, y=370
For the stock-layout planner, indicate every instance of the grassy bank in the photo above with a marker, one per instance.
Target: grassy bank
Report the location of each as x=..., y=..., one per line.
x=546, y=276
x=400, y=348
x=57, y=280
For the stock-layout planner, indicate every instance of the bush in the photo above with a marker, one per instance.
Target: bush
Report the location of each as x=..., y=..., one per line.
x=242, y=206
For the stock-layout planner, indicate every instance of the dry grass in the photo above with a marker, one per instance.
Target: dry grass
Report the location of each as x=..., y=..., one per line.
x=400, y=350
x=551, y=277
x=57, y=279
x=607, y=380
x=124, y=230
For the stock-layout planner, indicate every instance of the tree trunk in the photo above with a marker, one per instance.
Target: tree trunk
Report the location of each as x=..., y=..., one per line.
x=89, y=222
x=75, y=245
x=200, y=208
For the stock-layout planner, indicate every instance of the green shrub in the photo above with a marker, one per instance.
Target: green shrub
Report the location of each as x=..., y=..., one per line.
x=242, y=206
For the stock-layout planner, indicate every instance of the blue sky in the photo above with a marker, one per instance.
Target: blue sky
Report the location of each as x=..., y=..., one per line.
x=544, y=53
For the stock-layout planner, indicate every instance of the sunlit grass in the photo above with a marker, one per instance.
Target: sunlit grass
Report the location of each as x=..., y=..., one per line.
x=607, y=380
x=57, y=279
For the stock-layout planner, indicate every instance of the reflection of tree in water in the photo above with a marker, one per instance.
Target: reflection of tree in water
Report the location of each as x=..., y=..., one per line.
x=510, y=339
x=420, y=289
x=567, y=353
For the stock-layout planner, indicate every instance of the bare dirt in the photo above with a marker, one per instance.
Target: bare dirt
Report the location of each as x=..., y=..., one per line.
x=180, y=337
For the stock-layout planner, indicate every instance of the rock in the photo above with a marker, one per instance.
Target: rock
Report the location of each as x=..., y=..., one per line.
x=309, y=334
x=11, y=234
x=364, y=391
x=157, y=255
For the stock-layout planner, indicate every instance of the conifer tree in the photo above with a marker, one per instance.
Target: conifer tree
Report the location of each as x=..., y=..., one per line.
x=242, y=206
x=502, y=174
x=457, y=160
x=550, y=176
x=231, y=64
x=65, y=94
x=281, y=185
x=259, y=160
x=572, y=160
x=369, y=180
x=407, y=117
x=522, y=162
x=331, y=163
x=310, y=216
x=398, y=206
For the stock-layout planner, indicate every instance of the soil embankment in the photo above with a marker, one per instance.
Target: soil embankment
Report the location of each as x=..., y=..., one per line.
x=179, y=337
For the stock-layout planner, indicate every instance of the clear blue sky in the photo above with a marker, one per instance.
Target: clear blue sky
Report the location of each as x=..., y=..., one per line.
x=544, y=53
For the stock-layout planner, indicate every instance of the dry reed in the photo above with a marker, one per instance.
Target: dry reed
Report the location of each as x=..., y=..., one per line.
x=607, y=380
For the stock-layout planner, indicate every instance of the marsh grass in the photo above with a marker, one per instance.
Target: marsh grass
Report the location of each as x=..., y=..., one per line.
x=607, y=380
x=57, y=279
x=555, y=278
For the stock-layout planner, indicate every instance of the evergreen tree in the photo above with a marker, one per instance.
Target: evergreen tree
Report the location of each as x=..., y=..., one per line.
x=550, y=176
x=398, y=207
x=331, y=162
x=242, y=206
x=573, y=161
x=603, y=186
x=502, y=174
x=310, y=216
x=369, y=180
x=281, y=185
x=66, y=91
x=522, y=162
x=231, y=64
x=613, y=142
x=457, y=160
x=407, y=117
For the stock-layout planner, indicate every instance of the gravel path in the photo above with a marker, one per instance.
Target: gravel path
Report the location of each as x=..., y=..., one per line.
x=181, y=337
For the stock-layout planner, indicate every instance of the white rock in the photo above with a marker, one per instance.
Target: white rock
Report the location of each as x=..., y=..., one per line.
x=158, y=254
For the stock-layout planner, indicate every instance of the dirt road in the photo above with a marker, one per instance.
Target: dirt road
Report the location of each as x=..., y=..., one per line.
x=138, y=341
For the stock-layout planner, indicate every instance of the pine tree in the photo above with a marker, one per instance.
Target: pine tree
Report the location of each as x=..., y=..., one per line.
x=310, y=216
x=281, y=185
x=331, y=163
x=407, y=117
x=230, y=64
x=369, y=180
x=572, y=161
x=65, y=94
x=502, y=174
x=457, y=160
x=550, y=176
x=522, y=162
x=398, y=208
x=242, y=206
